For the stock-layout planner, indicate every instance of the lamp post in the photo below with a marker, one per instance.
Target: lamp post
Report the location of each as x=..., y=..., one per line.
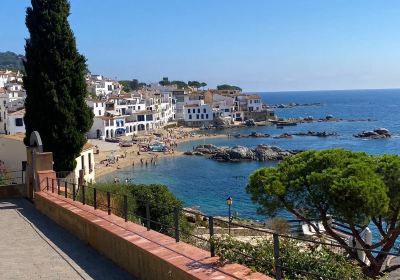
x=229, y=202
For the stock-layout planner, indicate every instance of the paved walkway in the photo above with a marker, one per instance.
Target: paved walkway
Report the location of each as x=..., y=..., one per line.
x=33, y=247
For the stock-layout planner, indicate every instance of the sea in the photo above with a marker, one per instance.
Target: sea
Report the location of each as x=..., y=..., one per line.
x=206, y=184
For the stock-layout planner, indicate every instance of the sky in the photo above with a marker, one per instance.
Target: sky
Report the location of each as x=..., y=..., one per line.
x=259, y=45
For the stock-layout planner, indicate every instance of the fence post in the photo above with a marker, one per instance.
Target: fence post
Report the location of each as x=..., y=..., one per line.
x=83, y=194
x=94, y=198
x=211, y=228
x=73, y=191
x=278, y=268
x=47, y=183
x=176, y=221
x=126, y=208
x=108, y=203
x=148, y=216
x=58, y=187
x=52, y=185
x=66, y=189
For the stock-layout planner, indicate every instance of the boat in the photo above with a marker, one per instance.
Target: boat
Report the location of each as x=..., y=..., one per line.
x=126, y=144
x=112, y=140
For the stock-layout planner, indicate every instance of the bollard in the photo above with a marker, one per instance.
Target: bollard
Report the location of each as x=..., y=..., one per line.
x=66, y=189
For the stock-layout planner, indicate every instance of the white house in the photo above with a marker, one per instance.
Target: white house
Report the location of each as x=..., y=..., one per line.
x=197, y=114
x=108, y=126
x=15, y=122
x=98, y=106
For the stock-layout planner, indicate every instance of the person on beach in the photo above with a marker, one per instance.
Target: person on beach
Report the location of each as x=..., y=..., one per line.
x=133, y=163
x=146, y=163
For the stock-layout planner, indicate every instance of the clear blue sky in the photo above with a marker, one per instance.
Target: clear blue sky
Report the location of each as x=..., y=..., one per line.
x=260, y=45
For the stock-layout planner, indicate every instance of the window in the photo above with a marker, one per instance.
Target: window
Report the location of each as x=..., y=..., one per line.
x=19, y=122
x=95, y=105
x=206, y=116
x=204, y=110
x=83, y=162
x=198, y=111
x=190, y=117
x=99, y=112
x=202, y=116
x=141, y=118
x=90, y=163
x=194, y=111
x=188, y=111
x=149, y=117
x=197, y=116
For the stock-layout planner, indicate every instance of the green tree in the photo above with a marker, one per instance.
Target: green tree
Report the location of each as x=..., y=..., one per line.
x=179, y=84
x=353, y=187
x=126, y=85
x=55, y=83
x=194, y=84
x=203, y=85
x=228, y=87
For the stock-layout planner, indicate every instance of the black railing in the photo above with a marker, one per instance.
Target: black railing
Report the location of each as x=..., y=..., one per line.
x=12, y=177
x=118, y=204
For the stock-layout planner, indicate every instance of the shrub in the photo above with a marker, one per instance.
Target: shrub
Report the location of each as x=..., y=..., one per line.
x=295, y=257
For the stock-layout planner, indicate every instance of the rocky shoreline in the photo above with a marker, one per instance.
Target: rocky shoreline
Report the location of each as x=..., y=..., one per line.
x=240, y=153
x=379, y=133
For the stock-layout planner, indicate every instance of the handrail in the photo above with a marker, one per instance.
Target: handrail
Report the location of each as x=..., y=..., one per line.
x=85, y=194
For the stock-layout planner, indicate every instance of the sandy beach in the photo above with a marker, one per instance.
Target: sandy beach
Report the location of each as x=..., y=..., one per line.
x=131, y=156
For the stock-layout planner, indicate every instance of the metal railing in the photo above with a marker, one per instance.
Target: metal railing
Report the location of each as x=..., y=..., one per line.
x=118, y=204
x=12, y=177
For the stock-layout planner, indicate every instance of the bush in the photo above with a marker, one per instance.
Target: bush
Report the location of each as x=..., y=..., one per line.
x=295, y=257
x=161, y=202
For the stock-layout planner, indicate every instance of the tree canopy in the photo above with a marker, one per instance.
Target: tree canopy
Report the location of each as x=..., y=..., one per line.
x=354, y=187
x=131, y=85
x=228, y=87
x=55, y=83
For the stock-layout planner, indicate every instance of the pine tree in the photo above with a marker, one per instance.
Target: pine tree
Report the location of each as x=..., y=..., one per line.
x=55, y=83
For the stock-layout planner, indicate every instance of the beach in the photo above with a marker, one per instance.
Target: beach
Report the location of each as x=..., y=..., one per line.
x=132, y=156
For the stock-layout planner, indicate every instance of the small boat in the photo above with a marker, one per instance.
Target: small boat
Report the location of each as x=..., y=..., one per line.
x=126, y=144
x=112, y=140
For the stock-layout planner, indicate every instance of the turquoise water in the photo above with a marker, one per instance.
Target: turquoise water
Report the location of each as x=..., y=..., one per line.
x=207, y=184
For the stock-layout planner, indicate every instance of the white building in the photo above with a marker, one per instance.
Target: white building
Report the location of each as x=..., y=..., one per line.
x=197, y=114
x=15, y=122
x=98, y=106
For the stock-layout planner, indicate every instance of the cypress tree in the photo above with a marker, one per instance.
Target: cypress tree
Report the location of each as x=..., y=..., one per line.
x=55, y=83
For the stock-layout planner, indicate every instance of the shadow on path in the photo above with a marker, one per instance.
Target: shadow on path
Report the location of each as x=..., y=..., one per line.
x=76, y=253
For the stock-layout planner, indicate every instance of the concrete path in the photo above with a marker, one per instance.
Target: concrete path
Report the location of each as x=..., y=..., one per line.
x=34, y=247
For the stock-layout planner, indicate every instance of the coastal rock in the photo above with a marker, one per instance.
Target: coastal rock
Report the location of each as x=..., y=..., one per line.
x=316, y=133
x=267, y=152
x=284, y=136
x=237, y=153
x=379, y=133
x=250, y=122
x=221, y=122
x=253, y=135
x=240, y=153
